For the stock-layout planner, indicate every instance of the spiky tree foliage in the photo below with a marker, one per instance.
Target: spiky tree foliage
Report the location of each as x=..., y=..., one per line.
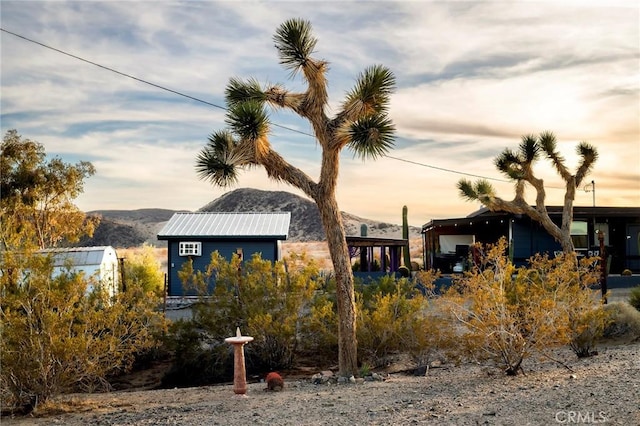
x=362, y=125
x=518, y=166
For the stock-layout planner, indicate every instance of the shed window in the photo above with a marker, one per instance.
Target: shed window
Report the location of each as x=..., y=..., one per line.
x=190, y=248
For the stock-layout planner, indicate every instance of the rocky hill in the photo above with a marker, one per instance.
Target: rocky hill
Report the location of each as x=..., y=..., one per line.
x=129, y=228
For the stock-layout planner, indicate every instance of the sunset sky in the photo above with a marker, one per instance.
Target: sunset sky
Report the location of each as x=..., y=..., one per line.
x=472, y=78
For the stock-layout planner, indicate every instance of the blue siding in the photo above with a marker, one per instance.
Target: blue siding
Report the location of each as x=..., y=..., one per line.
x=531, y=238
x=268, y=250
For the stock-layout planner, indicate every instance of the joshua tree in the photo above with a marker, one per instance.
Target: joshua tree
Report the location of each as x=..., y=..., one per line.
x=361, y=124
x=518, y=166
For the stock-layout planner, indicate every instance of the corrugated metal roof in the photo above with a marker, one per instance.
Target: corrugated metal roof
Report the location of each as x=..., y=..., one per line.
x=235, y=224
x=78, y=256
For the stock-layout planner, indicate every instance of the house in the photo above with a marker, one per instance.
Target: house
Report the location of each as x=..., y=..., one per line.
x=99, y=263
x=197, y=235
x=446, y=241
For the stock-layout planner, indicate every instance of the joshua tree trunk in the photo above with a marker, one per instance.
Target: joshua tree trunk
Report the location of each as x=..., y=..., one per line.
x=334, y=229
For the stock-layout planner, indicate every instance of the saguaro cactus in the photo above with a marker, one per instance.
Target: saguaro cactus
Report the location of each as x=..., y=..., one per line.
x=405, y=235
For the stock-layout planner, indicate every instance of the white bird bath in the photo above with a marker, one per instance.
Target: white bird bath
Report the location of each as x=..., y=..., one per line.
x=239, y=373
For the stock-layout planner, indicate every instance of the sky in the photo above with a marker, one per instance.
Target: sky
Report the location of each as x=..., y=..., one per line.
x=471, y=79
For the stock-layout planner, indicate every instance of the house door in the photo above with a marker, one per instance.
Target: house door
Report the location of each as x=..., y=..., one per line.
x=633, y=247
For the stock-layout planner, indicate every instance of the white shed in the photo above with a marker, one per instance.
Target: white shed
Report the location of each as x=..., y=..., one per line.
x=100, y=262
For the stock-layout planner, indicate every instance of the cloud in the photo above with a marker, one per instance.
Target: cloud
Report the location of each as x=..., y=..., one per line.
x=472, y=79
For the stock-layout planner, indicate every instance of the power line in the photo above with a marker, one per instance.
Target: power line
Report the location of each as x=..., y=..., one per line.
x=193, y=98
x=175, y=92
x=111, y=69
x=445, y=170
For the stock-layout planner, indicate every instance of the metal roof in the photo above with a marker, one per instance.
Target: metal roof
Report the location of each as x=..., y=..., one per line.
x=79, y=256
x=229, y=225
x=579, y=212
x=353, y=241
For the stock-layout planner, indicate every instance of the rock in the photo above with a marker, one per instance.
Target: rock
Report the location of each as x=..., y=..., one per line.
x=274, y=382
x=322, y=377
x=377, y=377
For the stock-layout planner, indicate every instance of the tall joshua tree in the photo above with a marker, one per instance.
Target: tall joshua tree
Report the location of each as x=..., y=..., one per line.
x=518, y=166
x=362, y=125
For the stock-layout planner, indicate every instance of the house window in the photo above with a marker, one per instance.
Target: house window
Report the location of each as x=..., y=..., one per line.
x=190, y=248
x=580, y=235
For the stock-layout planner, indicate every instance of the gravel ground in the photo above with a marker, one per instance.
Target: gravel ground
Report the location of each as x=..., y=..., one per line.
x=602, y=389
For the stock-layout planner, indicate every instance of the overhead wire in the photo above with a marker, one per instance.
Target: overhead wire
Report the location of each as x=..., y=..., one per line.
x=193, y=98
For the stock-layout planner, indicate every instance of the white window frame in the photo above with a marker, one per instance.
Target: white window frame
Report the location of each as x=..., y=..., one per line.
x=190, y=248
x=580, y=228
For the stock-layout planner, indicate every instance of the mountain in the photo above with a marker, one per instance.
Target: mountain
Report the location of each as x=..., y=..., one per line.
x=128, y=228
x=305, y=217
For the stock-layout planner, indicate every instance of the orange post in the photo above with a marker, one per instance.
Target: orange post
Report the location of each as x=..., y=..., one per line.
x=239, y=372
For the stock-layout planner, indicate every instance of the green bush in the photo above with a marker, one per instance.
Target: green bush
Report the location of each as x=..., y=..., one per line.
x=319, y=330
x=57, y=339
x=634, y=297
x=142, y=270
x=383, y=317
x=400, y=316
x=290, y=311
x=272, y=302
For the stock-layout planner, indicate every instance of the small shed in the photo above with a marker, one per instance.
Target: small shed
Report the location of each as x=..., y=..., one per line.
x=99, y=263
x=197, y=235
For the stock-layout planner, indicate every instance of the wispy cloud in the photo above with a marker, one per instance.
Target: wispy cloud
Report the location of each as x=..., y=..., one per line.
x=472, y=79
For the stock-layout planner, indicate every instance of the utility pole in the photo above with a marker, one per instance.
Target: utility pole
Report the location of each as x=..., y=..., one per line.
x=603, y=268
x=592, y=188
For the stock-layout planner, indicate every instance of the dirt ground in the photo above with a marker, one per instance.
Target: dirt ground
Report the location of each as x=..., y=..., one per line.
x=601, y=389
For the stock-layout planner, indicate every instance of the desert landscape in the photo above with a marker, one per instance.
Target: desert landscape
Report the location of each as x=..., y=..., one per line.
x=600, y=389
x=557, y=389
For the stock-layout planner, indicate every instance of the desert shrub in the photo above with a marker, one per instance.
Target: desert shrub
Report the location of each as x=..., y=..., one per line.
x=142, y=270
x=634, y=297
x=382, y=318
x=509, y=313
x=56, y=338
x=431, y=335
x=199, y=360
x=400, y=316
x=319, y=329
x=269, y=301
x=624, y=321
x=587, y=325
x=374, y=267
